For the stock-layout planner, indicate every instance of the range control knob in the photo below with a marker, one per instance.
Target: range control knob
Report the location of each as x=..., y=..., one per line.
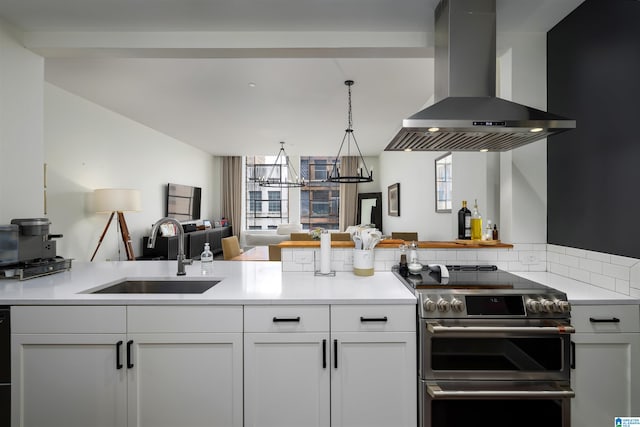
x=443, y=305
x=547, y=305
x=429, y=304
x=534, y=306
x=563, y=306
x=457, y=305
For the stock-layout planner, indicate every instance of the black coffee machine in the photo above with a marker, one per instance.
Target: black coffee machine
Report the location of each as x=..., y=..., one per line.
x=27, y=249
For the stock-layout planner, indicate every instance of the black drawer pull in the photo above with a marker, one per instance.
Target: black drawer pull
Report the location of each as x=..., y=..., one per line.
x=129, y=357
x=335, y=354
x=324, y=354
x=604, y=320
x=118, y=351
x=373, y=319
x=286, y=319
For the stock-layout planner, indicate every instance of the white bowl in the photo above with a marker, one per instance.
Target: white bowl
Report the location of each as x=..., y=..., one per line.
x=415, y=268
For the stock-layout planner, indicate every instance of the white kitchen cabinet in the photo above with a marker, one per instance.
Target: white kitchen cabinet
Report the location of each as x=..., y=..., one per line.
x=606, y=378
x=65, y=367
x=165, y=366
x=301, y=372
x=185, y=366
x=286, y=361
x=374, y=377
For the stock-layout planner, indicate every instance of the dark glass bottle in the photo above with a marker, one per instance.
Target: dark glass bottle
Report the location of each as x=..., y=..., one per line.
x=464, y=222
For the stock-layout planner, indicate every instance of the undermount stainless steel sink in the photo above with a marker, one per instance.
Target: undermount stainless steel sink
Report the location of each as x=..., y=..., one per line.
x=158, y=287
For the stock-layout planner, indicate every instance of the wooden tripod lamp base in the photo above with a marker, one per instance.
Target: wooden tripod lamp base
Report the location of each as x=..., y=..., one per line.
x=117, y=201
x=124, y=232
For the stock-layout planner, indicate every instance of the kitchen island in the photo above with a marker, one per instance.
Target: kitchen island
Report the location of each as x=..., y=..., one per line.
x=261, y=346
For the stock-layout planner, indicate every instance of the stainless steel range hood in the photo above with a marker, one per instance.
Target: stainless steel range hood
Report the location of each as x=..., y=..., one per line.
x=467, y=115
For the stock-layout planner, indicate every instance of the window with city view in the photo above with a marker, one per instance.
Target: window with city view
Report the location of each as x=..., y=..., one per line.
x=266, y=206
x=319, y=200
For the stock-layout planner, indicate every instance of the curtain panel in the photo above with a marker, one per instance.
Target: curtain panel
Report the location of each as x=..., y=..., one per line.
x=232, y=192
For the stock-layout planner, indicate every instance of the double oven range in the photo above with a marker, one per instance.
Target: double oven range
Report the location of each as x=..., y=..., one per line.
x=494, y=349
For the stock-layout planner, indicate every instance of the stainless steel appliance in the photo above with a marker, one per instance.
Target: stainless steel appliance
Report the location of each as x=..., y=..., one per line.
x=494, y=349
x=27, y=249
x=467, y=115
x=5, y=367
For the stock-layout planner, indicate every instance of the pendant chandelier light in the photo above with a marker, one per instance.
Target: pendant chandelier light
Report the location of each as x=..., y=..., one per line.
x=275, y=178
x=358, y=176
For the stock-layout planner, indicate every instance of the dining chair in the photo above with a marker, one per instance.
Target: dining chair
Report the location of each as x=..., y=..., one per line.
x=231, y=247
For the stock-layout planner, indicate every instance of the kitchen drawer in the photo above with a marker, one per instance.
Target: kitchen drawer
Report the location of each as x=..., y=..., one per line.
x=373, y=318
x=286, y=318
x=192, y=318
x=68, y=320
x=585, y=318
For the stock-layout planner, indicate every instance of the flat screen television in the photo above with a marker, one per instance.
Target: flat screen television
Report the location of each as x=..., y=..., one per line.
x=183, y=202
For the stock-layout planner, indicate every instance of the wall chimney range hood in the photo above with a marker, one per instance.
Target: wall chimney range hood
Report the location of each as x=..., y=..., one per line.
x=467, y=116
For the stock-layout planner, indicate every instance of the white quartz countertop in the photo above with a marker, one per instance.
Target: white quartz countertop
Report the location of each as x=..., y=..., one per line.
x=579, y=293
x=248, y=282
x=245, y=282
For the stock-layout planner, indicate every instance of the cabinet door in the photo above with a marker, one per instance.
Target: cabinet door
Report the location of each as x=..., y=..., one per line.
x=605, y=378
x=287, y=379
x=186, y=380
x=373, y=379
x=68, y=380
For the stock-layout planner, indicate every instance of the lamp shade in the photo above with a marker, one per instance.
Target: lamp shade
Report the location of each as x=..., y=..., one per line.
x=117, y=199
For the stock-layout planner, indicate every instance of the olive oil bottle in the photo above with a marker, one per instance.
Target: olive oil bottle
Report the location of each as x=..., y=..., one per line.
x=476, y=223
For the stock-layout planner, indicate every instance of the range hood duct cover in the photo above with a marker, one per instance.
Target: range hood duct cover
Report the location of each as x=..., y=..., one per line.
x=468, y=115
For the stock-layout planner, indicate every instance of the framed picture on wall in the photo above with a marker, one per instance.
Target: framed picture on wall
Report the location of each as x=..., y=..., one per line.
x=393, y=199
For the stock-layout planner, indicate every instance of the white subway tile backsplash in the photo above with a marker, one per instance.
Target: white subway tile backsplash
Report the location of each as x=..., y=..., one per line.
x=569, y=261
x=467, y=255
x=623, y=260
x=616, y=271
x=599, y=256
x=579, y=274
x=556, y=249
x=622, y=286
x=603, y=281
x=580, y=253
x=560, y=269
x=590, y=265
x=508, y=255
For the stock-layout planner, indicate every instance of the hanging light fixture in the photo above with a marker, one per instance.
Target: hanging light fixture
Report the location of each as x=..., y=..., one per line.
x=358, y=176
x=282, y=163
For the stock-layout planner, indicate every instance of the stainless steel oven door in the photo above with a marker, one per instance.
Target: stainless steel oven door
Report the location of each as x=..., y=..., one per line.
x=501, y=350
x=495, y=404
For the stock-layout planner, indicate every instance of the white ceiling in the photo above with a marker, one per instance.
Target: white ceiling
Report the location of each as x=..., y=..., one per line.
x=183, y=67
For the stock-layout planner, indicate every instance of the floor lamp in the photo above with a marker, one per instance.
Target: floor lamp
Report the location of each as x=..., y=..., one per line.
x=117, y=201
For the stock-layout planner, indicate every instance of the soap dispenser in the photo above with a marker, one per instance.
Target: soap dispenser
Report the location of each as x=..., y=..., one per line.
x=206, y=260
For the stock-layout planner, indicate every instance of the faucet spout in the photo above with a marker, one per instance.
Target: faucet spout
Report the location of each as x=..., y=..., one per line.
x=182, y=261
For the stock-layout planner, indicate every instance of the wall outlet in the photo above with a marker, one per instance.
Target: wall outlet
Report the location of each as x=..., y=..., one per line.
x=530, y=259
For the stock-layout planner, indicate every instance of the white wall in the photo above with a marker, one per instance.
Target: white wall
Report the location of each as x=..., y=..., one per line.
x=21, y=143
x=89, y=147
x=523, y=172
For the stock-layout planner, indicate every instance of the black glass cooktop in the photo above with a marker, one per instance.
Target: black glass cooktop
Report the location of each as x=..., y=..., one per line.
x=468, y=277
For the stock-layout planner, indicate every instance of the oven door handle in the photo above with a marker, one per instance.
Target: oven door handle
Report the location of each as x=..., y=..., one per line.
x=436, y=328
x=437, y=393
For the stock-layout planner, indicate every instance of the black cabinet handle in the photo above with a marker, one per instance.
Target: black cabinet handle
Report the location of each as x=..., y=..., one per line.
x=129, y=362
x=373, y=319
x=573, y=355
x=118, y=351
x=286, y=319
x=604, y=320
x=335, y=354
x=324, y=354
